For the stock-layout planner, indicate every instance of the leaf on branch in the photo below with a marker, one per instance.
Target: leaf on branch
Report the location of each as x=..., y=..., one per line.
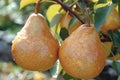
x=101, y=15
x=52, y=11
x=55, y=20
x=24, y=3
x=101, y=5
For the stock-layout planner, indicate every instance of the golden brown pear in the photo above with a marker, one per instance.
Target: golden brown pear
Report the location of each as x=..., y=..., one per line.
x=81, y=54
x=112, y=22
x=34, y=47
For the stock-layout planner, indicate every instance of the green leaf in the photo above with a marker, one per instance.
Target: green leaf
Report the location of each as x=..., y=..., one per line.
x=55, y=70
x=101, y=15
x=72, y=21
x=102, y=1
x=115, y=1
x=116, y=66
x=115, y=37
x=56, y=19
x=64, y=33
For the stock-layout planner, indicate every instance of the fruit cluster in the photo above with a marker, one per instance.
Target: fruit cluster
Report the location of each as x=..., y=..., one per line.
x=81, y=54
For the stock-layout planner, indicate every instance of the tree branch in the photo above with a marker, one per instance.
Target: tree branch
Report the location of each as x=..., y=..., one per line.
x=70, y=10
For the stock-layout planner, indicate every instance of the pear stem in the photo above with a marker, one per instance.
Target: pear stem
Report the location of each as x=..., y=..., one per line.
x=86, y=11
x=70, y=10
x=37, y=7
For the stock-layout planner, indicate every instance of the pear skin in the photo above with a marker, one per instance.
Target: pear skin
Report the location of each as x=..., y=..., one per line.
x=34, y=47
x=81, y=54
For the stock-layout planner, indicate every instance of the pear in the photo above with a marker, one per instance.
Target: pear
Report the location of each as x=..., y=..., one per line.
x=112, y=22
x=81, y=54
x=34, y=47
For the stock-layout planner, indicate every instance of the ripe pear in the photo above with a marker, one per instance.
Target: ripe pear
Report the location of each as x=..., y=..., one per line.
x=112, y=22
x=34, y=47
x=81, y=54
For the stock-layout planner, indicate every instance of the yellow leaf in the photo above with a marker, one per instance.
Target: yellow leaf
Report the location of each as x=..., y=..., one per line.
x=24, y=3
x=116, y=8
x=55, y=29
x=102, y=5
x=52, y=11
x=94, y=1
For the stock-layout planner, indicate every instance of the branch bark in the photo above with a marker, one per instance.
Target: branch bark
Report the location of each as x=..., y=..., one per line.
x=70, y=10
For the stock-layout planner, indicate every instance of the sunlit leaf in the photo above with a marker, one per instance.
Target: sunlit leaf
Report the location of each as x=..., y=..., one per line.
x=119, y=6
x=55, y=29
x=101, y=5
x=52, y=11
x=24, y=3
x=94, y=1
x=116, y=8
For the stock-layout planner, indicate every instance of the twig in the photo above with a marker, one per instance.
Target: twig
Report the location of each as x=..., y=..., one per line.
x=68, y=9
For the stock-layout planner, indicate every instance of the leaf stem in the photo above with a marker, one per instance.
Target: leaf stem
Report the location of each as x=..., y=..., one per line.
x=37, y=7
x=70, y=10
